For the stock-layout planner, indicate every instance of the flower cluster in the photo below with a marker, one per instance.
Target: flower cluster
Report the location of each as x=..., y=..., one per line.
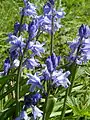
x=48, y=22
x=44, y=22
x=80, y=47
x=31, y=101
x=29, y=9
x=17, y=46
x=57, y=77
x=34, y=80
x=24, y=27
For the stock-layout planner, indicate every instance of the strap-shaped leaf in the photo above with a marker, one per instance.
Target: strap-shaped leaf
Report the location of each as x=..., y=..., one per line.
x=50, y=105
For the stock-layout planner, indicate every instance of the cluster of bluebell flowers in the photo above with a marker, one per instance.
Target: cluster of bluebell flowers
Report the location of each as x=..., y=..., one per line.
x=80, y=47
x=31, y=101
x=58, y=77
x=49, y=72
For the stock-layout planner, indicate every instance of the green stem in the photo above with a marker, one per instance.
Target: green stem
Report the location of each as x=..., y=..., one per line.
x=68, y=91
x=18, y=80
x=44, y=111
x=1, y=100
x=45, y=104
x=17, y=89
x=64, y=105
x=19, y=74
x=20, y=25
x=74, y=69
x=52, y=32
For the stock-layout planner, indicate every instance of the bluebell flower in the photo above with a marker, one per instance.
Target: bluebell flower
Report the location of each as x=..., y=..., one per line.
x=85, y=50
x=1, y=73
x=30, y=44
x=44, y=23
x=31, y=63
x=17, y=43
x=16, y=63
x=34, y=80
x=27, y=102
x=6, y=66
x=31, y=99
x=37, y=48
x=55, y=60
x=14, y=54
x=47, y=8
x=52, y=1
x=45, y=74
x=24, y=27
x=16, y=28
x=11, y=37
x=46, y=20
x=60, y=79
x=23, y=115
x=29, y=9
x=59, y=14
x=36, y=112
x=49, y=64
x=80, y=47
x=84, y=31
x=33, y=28
x=74, y=47
x=75, y=53
x=35, y=98
x=52, y=62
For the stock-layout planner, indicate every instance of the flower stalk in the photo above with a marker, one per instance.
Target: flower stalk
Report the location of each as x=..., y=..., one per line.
x=51, y=51
x=19, y=74
x=72, y=79
x=45, y=105
x=18, y=80
x=64, y=104
x=73, y=69
x=52, y=32
x=20, y=25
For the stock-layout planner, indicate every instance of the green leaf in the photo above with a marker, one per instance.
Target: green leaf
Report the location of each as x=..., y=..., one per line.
x=4, y=79
x=7, y=113
x=22, y=82
x=50, y=105
x=58, y=113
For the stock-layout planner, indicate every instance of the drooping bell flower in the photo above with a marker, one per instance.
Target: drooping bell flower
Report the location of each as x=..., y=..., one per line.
x=6, y=66
x=52, y=62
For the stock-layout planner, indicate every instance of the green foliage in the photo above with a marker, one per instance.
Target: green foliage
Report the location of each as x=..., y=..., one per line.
x=49, y=106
